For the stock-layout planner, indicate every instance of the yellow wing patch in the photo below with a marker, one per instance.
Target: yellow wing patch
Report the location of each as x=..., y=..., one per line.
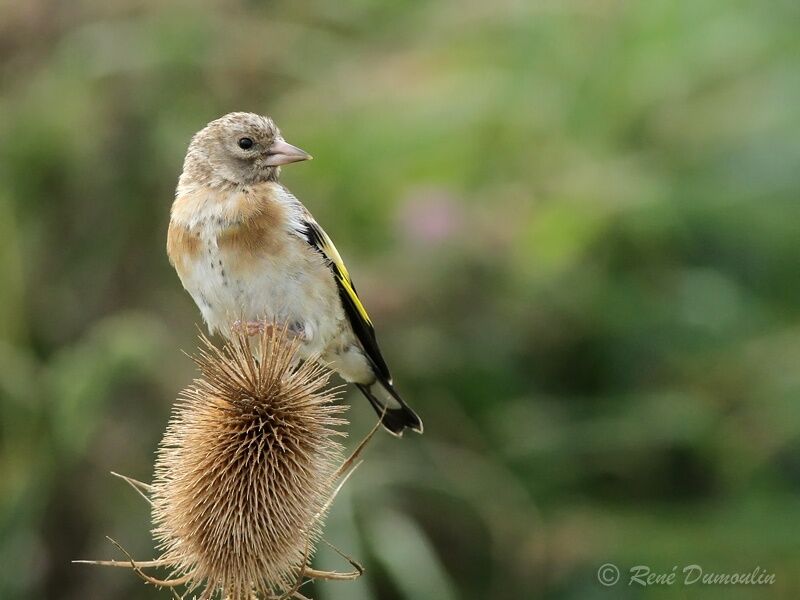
x=324, y=242
x=353, y=308
x=356, y=300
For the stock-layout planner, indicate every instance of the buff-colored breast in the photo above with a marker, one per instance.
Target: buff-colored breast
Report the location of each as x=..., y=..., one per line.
x=240, y=259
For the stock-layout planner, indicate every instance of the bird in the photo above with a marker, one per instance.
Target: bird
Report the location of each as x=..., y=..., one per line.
x=249, y=253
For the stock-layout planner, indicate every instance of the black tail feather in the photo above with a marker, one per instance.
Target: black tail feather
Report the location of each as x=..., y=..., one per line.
x=394, y=419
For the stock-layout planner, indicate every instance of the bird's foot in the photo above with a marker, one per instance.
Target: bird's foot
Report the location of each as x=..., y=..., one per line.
x=251, y=328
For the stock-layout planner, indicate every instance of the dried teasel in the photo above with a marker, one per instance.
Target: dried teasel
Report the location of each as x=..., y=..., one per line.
x=247, y=468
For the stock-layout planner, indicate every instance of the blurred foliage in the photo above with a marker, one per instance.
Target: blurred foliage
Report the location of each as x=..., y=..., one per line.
x=575, y=224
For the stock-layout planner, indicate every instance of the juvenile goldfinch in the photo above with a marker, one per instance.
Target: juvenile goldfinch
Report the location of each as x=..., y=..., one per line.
x=249, y=252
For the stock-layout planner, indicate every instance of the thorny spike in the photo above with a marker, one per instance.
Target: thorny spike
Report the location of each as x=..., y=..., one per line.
x=247, y=469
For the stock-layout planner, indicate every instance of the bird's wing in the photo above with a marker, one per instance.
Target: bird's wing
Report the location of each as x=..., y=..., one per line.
x=353, y=308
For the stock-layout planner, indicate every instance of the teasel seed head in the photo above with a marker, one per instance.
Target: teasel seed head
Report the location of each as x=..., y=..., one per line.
x=246, y=468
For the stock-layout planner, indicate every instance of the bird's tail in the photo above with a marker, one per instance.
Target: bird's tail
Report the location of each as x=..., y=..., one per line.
x=396, y=414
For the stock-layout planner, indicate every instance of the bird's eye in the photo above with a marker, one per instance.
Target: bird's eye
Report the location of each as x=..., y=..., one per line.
x=245, y=143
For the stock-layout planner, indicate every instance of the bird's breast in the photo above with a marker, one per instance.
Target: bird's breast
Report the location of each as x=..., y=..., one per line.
x=249, y=265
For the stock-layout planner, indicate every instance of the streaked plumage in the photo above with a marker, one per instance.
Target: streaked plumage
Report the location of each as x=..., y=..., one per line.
x=246, y=249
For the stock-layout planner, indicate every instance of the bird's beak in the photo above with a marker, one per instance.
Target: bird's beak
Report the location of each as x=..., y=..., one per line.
x=283, y=153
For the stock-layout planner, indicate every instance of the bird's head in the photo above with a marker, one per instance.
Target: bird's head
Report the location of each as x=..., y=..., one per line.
x=241, y=149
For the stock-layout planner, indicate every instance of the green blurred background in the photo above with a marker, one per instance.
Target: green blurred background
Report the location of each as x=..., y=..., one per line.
x=576, y=224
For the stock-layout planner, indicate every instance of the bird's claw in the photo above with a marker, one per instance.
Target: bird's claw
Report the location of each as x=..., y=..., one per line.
x=297, y=330
x=251, y=328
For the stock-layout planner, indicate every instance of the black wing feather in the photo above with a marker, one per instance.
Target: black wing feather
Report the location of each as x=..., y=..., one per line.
x=362, y=327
